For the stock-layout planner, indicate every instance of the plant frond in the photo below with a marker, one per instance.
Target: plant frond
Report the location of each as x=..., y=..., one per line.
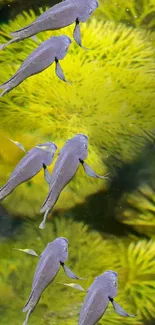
x=132, y=260
x=131, y=12
x=112, y=96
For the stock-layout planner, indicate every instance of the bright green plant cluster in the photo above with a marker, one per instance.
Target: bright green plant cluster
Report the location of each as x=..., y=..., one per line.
x=137, y=13
x=111, y=97
x=139, y=209
x=138, y=205
x=133, y=260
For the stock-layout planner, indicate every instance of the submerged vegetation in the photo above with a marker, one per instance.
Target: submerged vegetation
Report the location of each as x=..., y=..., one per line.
x=112, y=97
x=134, y=262
x=137, y=13
x=112, y=100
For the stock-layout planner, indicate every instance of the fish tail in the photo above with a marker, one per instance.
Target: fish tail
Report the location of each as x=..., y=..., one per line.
x=6, y=90
x=28, y=304
x=2, y=46
x=42, y=225
x=5, y=86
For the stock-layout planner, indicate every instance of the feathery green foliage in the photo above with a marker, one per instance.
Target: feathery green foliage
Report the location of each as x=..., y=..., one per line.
x=137, y=13
x=134, y=262
x=112, y=96
x=139, y=210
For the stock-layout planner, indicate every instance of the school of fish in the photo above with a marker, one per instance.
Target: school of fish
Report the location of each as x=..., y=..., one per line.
x=73, y=154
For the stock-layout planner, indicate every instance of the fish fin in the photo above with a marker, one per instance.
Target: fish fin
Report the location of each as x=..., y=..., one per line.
x=27, y=316
x=4, y=91
x=47, y=175
x=18, y=144
x=90, y=172
x=73, y=285
x=2, y=46
x=69, y=273
x=119, y=310
x=27, y=305
x=27, y=251
x=18, y=31
x=34, y=38
x=59, y=71
x=77, y=35
x=42, y=224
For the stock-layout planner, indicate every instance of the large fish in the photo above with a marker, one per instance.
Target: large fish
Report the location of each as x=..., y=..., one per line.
x=52, y=258
x=74, y=152
x=102, y=291
x=61, y=15
x=52, y=50
x=37, y=158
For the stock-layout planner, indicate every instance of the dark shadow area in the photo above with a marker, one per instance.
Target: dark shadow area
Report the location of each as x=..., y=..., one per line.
x=10, y=10
x=8, y=226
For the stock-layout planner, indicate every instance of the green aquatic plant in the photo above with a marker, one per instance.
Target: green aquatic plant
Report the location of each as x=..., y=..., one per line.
x=111, y=96
x=133, y=260
x=139, y=209
x=137, y=13
x=136, y=205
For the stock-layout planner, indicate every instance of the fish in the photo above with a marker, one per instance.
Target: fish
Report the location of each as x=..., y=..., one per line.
x=73, y=153
x=60, y=15
x=52, y=50
x=52, y=258
x=35, y=159
x=102, y=291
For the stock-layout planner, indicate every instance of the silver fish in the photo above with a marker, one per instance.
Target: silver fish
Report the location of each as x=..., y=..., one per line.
x=52, y=50
x=103, y=289
x=52, y=258
x=38, y=157
x=61, y=15
x=74, y=152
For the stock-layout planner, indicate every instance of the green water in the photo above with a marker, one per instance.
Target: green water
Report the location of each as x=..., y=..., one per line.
x=109, y=223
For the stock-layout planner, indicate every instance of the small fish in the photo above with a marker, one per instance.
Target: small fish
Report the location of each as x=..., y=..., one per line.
x=52, y=258
x=74, y=152
x=61, y=15
x=103, y=289
x=52, y=50
x=38, y=157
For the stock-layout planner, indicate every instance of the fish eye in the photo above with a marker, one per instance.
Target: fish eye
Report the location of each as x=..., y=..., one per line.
x=115, y=283
x=85, y=145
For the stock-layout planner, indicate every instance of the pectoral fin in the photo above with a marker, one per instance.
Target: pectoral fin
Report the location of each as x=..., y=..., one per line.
x=18, y=144
x=77, y=34
x=90, y=172
x=119, y=310
x=73, y=285
x=59, y=71
x=47, y=175
x=27, y=251
x=69, y=273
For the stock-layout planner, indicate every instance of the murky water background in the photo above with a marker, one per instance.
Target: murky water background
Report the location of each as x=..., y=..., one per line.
x=110, y=224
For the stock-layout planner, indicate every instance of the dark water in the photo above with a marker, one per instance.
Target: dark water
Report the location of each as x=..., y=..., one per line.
x=110, y=224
